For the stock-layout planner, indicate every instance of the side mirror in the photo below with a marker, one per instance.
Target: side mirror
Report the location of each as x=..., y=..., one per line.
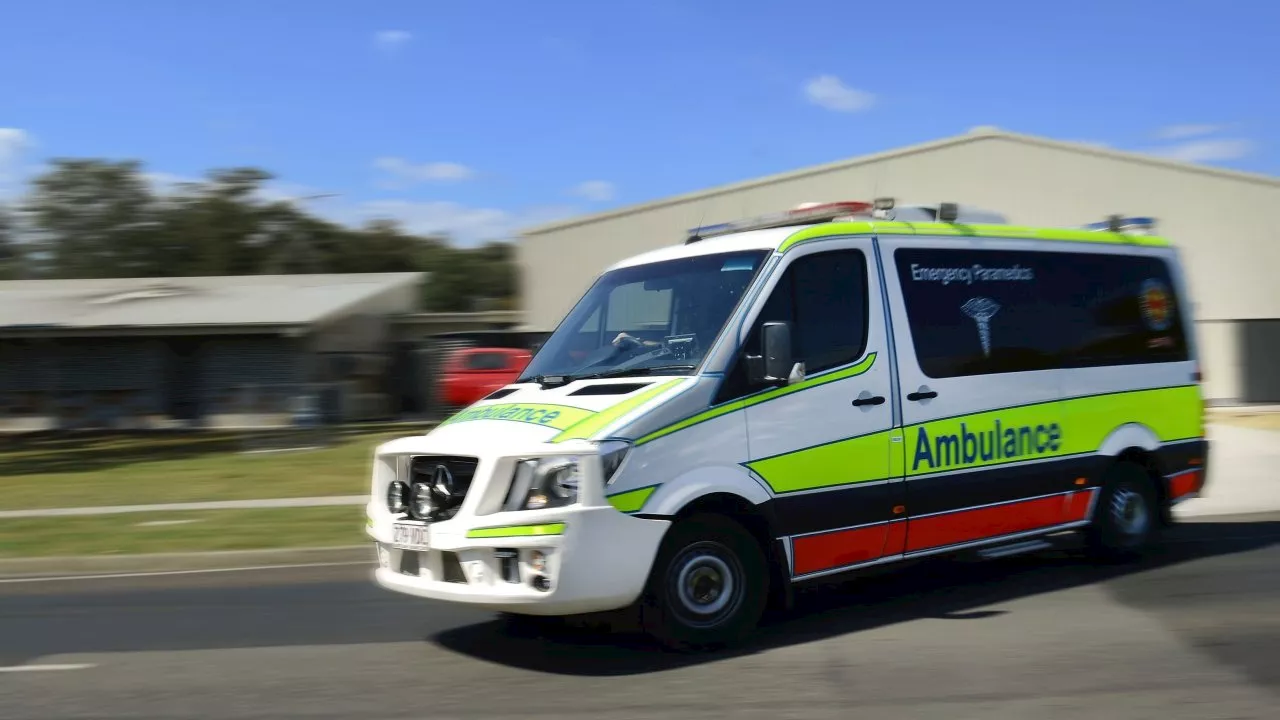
x=775, y=365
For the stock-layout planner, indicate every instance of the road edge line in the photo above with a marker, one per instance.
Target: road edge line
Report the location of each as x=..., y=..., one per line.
x=86, y=566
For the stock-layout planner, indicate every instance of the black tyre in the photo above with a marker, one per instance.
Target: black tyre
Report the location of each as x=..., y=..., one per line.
x=1127, y=519
x=708, y=587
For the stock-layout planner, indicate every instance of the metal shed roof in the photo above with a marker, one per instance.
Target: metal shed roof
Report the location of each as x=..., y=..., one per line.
x=249, y=301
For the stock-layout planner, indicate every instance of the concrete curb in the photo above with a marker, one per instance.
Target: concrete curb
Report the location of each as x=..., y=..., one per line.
x=171, y=562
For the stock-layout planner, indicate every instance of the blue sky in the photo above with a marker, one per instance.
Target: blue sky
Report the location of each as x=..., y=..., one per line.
x=477, y=118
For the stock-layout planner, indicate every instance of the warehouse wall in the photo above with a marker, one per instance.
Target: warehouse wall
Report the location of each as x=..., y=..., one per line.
x=47, y=383
x=1219, y=221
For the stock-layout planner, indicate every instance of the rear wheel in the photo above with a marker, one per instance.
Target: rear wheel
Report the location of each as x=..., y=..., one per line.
x=1127, y=519
x=708, y=587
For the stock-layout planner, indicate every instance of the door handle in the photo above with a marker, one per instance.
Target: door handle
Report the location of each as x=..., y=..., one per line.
x=928, y=395
x=876, y=400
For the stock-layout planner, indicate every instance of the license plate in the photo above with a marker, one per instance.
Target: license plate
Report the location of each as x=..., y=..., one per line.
x=411, y=537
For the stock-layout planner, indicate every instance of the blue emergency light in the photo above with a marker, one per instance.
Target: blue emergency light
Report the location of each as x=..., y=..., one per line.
x=1115, y=223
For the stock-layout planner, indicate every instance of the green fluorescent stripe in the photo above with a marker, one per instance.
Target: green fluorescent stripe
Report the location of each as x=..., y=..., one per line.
x=844, y=462
x=1173, y=413
x=1003, y=231
x=751, y=400
x=632, y=500
x=517, y=531
x=589, y=426
x=558, y=417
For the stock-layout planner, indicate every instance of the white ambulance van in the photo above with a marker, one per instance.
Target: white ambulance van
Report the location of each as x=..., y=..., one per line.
x=815, y=392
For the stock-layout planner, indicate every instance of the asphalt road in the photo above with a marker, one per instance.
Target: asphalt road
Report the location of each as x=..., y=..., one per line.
x=1193, y=632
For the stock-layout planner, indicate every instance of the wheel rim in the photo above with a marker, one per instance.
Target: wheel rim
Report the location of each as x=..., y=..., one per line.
x=705, y=584
x=1129, y=512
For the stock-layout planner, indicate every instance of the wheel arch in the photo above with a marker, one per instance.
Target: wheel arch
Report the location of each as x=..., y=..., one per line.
x=1138, y=444
x=734, y=494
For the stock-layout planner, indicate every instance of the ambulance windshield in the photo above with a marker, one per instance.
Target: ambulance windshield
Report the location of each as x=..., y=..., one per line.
x=656, y=318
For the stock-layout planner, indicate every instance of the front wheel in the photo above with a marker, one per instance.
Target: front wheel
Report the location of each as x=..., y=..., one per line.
x=1128, y=518
x=708, y=587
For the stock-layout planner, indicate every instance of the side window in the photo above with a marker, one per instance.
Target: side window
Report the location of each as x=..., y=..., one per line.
x=977, y=312
x=1129, y=313
x=824, y=297
x=829, y=308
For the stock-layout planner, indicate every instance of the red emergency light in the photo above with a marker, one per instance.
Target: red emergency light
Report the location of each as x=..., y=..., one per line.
x=803, y=214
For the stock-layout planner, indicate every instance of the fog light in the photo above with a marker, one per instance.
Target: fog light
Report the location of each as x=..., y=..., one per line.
x=538, y=561
x=541, y=583
x=397, y=497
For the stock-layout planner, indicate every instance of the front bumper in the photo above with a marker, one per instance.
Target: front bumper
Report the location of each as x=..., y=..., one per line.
x=596, y=559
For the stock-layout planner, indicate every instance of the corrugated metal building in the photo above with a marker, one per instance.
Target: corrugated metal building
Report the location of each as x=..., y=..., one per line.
x=141, y=352
x=1218, y=218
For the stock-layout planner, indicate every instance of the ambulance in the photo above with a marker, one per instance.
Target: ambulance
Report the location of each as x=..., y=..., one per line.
x=811, y=393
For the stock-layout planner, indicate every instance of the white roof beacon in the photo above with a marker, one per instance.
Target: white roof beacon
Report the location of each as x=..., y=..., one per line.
x=810, y=213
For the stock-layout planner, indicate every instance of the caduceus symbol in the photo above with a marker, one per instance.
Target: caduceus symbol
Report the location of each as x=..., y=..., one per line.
x=982, y=310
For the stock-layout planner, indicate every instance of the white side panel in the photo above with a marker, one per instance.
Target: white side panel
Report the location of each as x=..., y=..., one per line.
x=702, y=458
x=825, y=414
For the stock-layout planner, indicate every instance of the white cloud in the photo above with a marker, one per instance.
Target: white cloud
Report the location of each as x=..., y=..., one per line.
x=14, y=144
x=304, y=196
x=1182, y=132
x=392, y=39
x=163, y=183
x=464, y=224
x=1206, y=150
x=595, y=190
x=829, y=92
x=401, y=172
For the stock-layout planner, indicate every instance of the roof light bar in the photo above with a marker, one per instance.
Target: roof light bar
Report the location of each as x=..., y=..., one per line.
x=1116, y=224
x=804, y=214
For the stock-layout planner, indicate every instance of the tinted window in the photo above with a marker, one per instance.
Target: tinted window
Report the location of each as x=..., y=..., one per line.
x=977, y=312
x=824, y=296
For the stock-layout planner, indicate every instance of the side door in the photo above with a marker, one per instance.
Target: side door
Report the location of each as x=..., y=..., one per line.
x=978, y=332
x=822, y=445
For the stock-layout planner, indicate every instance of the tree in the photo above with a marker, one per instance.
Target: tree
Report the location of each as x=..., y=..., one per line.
x=94, y=218
x=101, y=218
x=12, y=254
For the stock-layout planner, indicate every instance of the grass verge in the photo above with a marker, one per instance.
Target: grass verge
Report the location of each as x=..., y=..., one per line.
x=142, y=533
x=72, y=471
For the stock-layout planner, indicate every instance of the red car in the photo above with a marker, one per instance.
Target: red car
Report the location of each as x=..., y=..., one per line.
x=472, y=373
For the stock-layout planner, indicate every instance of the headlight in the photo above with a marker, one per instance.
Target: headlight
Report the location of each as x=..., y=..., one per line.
x=544, y=483
x=420, y=502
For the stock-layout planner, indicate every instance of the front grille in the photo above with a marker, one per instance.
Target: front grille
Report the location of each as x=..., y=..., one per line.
x=448, y=477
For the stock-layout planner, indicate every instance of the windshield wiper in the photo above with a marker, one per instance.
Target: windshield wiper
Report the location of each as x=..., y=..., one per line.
x=560, y=380
x=644, y=370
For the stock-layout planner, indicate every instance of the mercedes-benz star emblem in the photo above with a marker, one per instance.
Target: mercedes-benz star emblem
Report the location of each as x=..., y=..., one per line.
x=442, y=479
